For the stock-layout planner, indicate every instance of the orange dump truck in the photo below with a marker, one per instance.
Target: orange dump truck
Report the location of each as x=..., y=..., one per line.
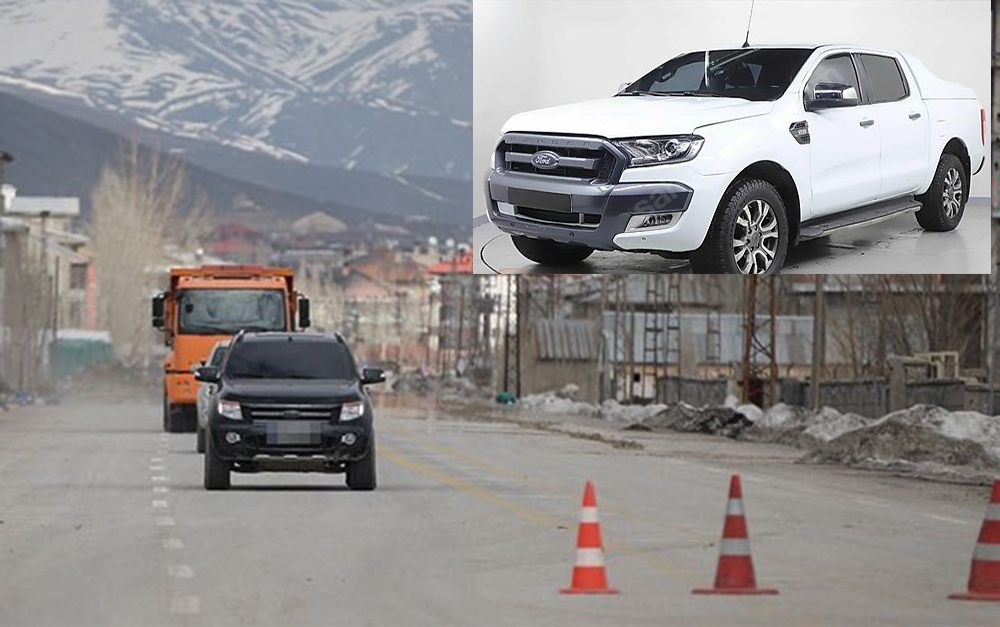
x=205, y=305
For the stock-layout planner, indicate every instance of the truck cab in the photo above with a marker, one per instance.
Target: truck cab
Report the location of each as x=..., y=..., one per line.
x=203, y=306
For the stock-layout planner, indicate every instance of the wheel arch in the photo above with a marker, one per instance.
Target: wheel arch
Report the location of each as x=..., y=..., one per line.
x=776, y=175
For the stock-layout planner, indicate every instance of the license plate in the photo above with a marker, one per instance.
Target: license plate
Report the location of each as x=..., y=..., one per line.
x=546, y=201
x=292, y=432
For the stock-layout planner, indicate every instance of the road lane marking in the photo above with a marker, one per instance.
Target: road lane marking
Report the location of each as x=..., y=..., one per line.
x=159, y=503
x=155, y=460
x=468, y=488
x=155, y=467
x=187, y=605
x=180, y=571
x=159, y=489
x=165, y=521
x=946, y=519
x=174, y=544
x=160, y=478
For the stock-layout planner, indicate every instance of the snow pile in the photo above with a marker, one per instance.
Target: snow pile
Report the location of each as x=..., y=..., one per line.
x=802, y=427
x=561, y=402
x=723, y=421
x=921, y=439
x=631, y=414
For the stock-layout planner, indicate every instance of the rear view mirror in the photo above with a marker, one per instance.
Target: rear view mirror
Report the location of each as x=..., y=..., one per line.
x=304, y=319
x=158, y=311
x=832, y=95
x=372, y=375
x=207, y=374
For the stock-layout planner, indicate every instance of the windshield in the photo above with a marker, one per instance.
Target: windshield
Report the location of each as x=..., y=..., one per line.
x=228, y=311
x=290, y=359
x=749, y=73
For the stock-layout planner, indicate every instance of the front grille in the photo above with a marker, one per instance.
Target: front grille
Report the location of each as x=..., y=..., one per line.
x=584, y=159
x=266, y=411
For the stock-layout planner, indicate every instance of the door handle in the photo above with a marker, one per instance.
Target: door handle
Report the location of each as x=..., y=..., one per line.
x=866, y=123
x=914, y=116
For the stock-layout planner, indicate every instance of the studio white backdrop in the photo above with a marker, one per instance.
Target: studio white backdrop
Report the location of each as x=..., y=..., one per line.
x=530, y=54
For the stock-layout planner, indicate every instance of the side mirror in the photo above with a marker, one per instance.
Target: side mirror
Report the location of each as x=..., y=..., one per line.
x=158, y=311
x=831, y=96
x=622, y=86
x=372, y=375
x=304, y=319
x=207, y=374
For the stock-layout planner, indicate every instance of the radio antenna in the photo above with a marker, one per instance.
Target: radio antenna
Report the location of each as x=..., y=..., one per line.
x=746, y=44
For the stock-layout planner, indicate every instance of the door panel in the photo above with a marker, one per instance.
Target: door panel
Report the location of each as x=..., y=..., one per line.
x=903, y=125
x=844, y=146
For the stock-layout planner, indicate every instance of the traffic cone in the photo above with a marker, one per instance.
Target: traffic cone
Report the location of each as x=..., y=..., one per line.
x=984, y=578
x=735, y=572
x=589, y=574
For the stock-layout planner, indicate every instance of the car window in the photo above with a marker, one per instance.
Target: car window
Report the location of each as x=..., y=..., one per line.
x=836, y=69
x=749, y=73
x=290, y=359
x=217, y=356
x=885, y=77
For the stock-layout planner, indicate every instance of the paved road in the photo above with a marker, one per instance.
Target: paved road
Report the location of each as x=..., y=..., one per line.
x=104, y=521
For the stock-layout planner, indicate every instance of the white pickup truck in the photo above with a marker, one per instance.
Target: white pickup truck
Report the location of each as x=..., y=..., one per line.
x=729, y=157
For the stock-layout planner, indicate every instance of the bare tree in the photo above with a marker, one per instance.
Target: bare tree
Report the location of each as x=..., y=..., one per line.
x=141, y=203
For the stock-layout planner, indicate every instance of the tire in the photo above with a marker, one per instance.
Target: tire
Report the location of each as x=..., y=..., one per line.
x=938, y=213
x=361, y=474
x=176, y=418
x=550, y=253
x=166, y=413
x=745, y=200
x=200, y=446
x=217, y=470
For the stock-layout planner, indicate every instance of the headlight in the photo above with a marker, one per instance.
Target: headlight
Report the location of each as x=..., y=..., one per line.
x=352, y=410
x=655, y=151
x=231, y=410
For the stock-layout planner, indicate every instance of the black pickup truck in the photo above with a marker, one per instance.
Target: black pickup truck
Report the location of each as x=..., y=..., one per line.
x=290, y=402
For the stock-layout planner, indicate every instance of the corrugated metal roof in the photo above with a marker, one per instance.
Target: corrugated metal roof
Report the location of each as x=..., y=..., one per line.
x=793, y=342
x=566, y=340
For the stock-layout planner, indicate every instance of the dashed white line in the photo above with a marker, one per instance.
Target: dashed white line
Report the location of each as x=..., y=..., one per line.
x=159, y=503
x=946, y=519
x=185, y=605
x=180, y=571
x=160, y=478
x=165, y=521
x=160, y=489
x=156, y=467
x=155, y=460
x=174, y=544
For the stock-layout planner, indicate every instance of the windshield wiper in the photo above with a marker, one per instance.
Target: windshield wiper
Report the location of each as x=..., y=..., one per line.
x=707, y=94
x=635, y=93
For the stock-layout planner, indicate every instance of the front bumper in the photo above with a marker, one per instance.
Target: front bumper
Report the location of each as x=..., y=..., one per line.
x=693, y=198
x=610, y=205
x=253, y=442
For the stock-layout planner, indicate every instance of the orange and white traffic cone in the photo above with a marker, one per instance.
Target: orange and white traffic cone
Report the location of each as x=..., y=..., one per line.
x=589, y=574
x=984, y=578
x=735, y=573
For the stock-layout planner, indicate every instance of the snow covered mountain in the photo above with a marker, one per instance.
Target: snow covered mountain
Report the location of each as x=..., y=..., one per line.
x=299, y=92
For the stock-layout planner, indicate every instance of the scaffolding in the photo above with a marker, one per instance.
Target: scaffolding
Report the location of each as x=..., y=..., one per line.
x=760, y=365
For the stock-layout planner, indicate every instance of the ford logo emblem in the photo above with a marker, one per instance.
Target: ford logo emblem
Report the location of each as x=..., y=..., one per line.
x=545, y=160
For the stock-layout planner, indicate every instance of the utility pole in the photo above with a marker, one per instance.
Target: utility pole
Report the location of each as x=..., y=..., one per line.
x=819, y=339
x=760, y=366
x=5, y=197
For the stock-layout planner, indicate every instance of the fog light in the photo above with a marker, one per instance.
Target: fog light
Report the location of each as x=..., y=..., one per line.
x=232, y=437
x=348, y=438
x=649, y=221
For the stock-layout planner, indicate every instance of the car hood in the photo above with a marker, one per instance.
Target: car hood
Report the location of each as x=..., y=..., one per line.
x=636, y=116
x=291, y=391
